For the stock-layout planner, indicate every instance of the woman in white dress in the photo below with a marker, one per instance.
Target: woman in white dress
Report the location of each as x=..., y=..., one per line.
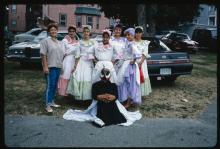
x=71, y=47
x=118, y=44
x=142, y=46
x=104, y=56
x=80, y=84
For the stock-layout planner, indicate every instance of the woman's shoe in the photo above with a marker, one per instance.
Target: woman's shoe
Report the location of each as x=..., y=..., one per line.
x=55, y=105
x=49, y=109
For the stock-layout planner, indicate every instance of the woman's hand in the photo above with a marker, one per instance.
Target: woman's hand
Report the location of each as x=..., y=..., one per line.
x=102, y=97
x=46, y=70
x=132, y=62
x=139, y=64
x=110, y=97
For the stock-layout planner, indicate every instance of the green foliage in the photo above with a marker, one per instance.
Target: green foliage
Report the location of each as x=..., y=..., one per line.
x=173, y=14
x=164, y=15
x=126, y=13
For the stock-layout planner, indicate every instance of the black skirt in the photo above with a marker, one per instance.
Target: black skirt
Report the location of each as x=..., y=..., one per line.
x=109, y=113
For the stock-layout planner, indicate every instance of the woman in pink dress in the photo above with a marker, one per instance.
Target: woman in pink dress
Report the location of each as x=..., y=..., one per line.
x=71, y=56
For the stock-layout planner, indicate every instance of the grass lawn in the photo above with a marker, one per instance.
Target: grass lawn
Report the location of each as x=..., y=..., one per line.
x=24, y=91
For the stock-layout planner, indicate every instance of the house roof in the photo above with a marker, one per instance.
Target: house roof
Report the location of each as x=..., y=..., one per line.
x=89, y=11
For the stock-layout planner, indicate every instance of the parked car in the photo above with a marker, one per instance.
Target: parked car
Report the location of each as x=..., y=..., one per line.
x=27, y=36
x=161, y=34
x=98, y=38
x=28, y=52
x=165, y=63
x=207, y=38
x=180, y=42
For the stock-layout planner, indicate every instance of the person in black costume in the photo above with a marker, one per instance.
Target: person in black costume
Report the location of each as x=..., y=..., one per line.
x=106, y=93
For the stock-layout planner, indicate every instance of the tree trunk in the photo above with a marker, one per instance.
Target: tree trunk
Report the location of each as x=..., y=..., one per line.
x=151, y=14
x=141, y=17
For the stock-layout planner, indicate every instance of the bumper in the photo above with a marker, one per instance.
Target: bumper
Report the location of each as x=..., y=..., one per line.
x=176, y=69
x=22, y=58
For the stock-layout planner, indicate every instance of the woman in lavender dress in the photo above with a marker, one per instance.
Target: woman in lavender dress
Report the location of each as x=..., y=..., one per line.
x=128, y=74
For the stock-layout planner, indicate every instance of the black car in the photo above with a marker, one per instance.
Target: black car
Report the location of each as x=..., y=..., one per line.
x=165, y=63
x=207, y=38
x=180, y=42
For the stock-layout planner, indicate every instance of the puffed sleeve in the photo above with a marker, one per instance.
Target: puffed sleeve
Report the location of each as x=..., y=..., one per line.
x=114, y=57
x=136, y=53
x=96, y=52
x=43, y=47
x=69, y=48
x=94, y=47
x=145, y=45
x=63, y=45
x=77, y=51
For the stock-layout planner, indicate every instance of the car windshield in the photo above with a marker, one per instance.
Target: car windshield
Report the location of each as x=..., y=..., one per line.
x=44, y=34
x=181, y=36
x=163, y=33
x=98, y=36
x=41, y=36
x=30, y=31
x=60, y=36
x=157, y=46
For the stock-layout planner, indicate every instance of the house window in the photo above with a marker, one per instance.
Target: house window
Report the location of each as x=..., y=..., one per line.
x=13, y=9
x=212, y=21
x=90, y=21
x=14, y=23
x=62, y=19
x=78, y=21
x=195, y=21
x=97, y=23
x=211, y=8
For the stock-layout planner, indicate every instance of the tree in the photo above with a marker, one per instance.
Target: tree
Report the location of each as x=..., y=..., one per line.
x=157, y=16
x=169, y=16
x=126, y=13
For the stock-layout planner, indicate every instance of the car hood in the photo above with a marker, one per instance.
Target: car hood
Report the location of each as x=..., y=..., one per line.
x=25, y=44
x=189, y=41
x=20, y=35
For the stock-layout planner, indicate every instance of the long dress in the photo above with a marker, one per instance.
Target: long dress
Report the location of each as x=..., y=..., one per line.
x=118, y=46
x=71, y=48
x=80, y=83
x=129, y=76
x=107, y=112
x=104, y=55
x=104, y=113
x=142, y=46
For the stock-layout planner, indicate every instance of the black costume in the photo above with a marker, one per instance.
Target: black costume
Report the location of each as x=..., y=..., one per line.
x=107, y=112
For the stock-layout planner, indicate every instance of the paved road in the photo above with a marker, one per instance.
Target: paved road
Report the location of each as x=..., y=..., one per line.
x=49, y=131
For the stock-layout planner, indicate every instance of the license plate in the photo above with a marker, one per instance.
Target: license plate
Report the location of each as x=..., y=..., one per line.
x=165, y=71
